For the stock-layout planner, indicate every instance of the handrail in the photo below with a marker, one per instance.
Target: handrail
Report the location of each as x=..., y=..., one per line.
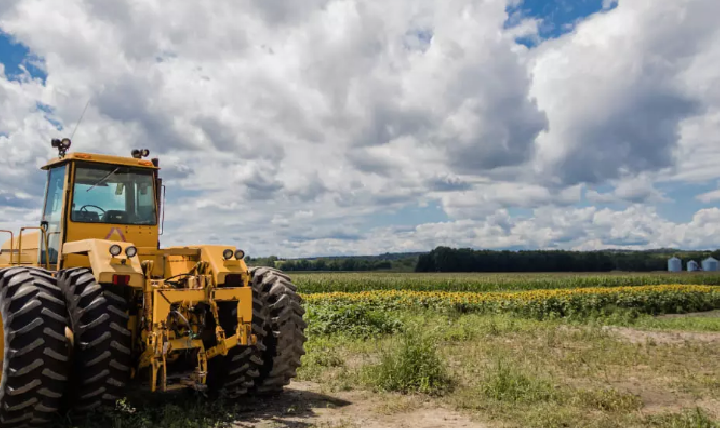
x=47, y=247
x=12, y=242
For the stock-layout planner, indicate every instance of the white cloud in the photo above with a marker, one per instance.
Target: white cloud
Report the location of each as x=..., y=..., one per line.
x=488, y=198
x=630, y=190
x=710, y=196
x=588, y=228
x=290, y=126
x=622, y=88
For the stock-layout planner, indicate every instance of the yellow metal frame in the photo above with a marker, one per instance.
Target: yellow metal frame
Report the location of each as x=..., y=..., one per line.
x=18, y=250
x=202, y=270
x=102, y=159
x=158, y=339
x=103, y=265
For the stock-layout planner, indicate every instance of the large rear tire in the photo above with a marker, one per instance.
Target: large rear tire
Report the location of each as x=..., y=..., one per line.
x=35, y=350
x=282, y=347
x=235, y=372
x=102, y=342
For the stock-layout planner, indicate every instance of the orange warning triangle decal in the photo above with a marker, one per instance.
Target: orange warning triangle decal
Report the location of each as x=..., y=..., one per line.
x=118, y=231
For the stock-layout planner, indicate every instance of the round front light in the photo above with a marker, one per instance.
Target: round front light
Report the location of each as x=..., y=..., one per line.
x=239, y=254
x=131, y=251
x=228, y=254
x=115, y=250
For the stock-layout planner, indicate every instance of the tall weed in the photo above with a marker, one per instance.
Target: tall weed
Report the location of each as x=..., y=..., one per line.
x=413, y=365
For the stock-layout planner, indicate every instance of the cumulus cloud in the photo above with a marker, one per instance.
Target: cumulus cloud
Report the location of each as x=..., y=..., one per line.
x=637, y=227
x=711, y=196
x=338, y=109
x=488, y=198
x=619, y=89
x=631, y=190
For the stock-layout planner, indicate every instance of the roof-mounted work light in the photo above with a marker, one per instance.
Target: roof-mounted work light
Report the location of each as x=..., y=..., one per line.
x=61, y=145
x=140, y=153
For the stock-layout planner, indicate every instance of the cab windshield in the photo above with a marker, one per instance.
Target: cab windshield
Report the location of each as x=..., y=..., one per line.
x=113, y=195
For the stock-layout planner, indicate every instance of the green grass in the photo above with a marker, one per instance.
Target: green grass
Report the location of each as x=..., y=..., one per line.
x=506, y=370
x=411, y=366
x=163, y=411
x=479, y=282
x=352, y=320
x=685, y=323
x=499, y=370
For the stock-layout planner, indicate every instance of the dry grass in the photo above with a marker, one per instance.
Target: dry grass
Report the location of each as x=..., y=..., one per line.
x=518, y=372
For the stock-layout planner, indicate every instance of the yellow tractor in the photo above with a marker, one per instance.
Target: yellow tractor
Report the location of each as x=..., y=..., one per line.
x=91, y=304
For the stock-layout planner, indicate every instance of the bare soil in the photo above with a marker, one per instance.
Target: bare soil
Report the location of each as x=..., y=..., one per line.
x=305, y=405
x=665, y=337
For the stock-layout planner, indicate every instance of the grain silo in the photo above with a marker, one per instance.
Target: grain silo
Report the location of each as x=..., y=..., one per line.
x=674, y=265
x=709, y=265
x=692, y=266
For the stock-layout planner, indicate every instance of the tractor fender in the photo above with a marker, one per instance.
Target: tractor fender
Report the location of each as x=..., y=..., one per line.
x=103, y=265
x=221, y=267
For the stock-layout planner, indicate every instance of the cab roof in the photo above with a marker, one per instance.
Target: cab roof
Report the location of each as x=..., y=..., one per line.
x=101, y=159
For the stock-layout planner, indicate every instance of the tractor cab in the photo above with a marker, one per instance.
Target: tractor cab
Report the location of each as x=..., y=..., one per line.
x=91, y=196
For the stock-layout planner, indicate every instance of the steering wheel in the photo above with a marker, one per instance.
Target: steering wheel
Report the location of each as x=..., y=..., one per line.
x=92, y=206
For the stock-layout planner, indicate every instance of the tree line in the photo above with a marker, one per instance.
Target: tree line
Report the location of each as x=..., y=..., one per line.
x=399, y=263
x=445, y=259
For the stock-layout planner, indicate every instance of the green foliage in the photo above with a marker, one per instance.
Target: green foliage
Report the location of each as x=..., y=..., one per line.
x=481, y=282
x=444, y=259
x=351, y=320
x=335, y=265
x=158, y=411
x=413, y=365
x=571, y=303
x=631, y=318
x=504, y=382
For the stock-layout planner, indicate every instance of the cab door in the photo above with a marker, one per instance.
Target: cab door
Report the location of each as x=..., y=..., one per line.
x=52, y=216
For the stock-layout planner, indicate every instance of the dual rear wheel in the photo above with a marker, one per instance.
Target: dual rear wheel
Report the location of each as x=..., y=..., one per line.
x=278, y=324
x=35, y=350
x=44, y=372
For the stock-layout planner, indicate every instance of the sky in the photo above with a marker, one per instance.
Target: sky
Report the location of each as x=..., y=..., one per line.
x=343, y=127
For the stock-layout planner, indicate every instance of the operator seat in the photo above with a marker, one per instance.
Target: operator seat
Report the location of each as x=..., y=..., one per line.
x=115, y=217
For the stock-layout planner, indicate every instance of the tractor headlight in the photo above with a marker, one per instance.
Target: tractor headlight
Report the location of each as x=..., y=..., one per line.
x=228, y=254
x=131, y=251
x=115, y=250
x=239, y=254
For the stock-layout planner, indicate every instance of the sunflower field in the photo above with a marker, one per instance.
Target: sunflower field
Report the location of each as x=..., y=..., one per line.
x=540, y=303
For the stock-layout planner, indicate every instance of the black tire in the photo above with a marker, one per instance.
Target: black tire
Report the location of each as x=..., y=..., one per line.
x=234, y=373
x=285, y=327
x=102, y=343
x=36, y=351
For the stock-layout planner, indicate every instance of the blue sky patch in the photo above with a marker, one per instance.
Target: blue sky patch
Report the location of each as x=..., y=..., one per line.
x=685, y=202
x=49, y=115
x=557, y=16
x=408, y=215
x=13, y=55
x=418, y=39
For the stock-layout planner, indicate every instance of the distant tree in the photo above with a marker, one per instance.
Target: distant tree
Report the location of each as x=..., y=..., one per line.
x=444, y=259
